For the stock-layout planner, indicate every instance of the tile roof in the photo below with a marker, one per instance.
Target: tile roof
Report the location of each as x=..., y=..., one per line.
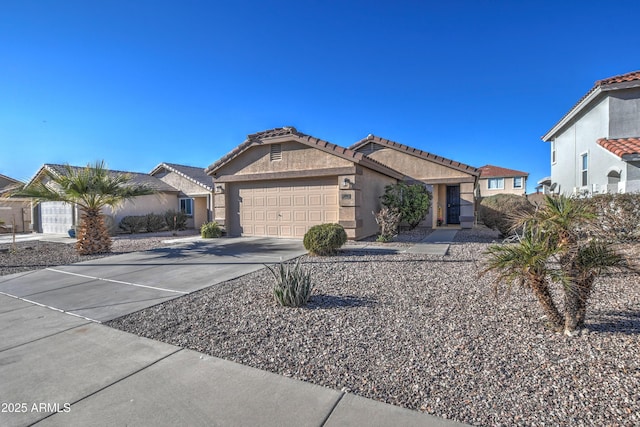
x=622, y=78
x=193, y=173
x=622, y=146
x=488, y=171
x=416, y=152
x=136, y=177
x=346, y=153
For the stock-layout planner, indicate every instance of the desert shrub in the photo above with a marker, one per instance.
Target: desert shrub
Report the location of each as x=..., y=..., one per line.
x=132, y=224
x=175, y=220
x=210, y=230
x=324, y=239
x=154, y=222
x=388, y=220
x=293, y=284
x=412, y=201
x=617, y=216
x=498, y=212
x=110, y=224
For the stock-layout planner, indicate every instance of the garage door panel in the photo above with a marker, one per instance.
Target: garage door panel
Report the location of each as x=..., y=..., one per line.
x=285, y=208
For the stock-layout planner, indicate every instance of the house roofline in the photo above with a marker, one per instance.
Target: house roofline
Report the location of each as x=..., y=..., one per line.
x=417, y=153
x=184, y=175
x=277, y=135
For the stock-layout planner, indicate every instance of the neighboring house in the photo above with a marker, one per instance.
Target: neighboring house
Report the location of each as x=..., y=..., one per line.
x=280, y=182
x=595, y=147
x=13, y=211
x=59, y=217
x=452, y=183
x=497, y=180
x=196, y=190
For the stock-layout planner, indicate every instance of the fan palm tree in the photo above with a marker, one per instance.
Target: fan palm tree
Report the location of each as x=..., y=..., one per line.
x=90, y=188
x=525, y=263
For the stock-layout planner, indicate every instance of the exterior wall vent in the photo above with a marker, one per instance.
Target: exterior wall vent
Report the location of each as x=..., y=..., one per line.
x=276, y=152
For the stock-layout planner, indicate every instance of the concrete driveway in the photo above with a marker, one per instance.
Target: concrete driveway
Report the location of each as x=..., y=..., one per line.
x=107, y=288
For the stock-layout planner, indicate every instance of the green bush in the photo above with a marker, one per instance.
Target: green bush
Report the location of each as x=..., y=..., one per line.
x=412, y=201
x=324, y=239
x=210, y=230
x=498, y=212
x=154, y=222
x=132, y=224
x=175, y=220
x=293, y=284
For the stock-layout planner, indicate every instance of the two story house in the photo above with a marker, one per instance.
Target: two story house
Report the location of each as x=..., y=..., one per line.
x=595, y=147
x=498, y=180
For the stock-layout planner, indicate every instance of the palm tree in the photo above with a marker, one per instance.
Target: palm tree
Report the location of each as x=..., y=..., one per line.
x=90, y=188
x=525, y=263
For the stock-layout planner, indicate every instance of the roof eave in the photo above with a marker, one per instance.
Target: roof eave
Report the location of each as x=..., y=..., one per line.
x=635, y=157
x=594, y=93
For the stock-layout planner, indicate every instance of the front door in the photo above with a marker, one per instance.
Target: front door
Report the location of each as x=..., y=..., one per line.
x=453, y=204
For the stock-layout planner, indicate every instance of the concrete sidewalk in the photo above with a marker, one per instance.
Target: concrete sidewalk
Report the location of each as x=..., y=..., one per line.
x=61, y=370
x=436, y=243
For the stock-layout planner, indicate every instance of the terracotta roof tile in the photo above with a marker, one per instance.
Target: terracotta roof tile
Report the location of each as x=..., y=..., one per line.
x=621, y=146
x=622, y=78
x=488, y=171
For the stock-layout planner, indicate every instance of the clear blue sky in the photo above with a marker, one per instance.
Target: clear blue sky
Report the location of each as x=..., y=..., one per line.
x=137, y=83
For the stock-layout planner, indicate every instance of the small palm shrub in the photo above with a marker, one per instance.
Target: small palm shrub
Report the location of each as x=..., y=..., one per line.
x=132, y=224
x=154, y=222
x=210, y=230
x=324, y=239
x=293, y=284
x=175, y=220
x=499, y=212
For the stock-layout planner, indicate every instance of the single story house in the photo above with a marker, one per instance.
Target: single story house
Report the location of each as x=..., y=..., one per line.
x=280, y=182
x=195, y=197
x=59, y=217
x=499, y=180
x=14, y=211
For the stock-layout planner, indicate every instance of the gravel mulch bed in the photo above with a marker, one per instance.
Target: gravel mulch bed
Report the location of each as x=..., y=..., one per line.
x=423, y=332
x=36, y=254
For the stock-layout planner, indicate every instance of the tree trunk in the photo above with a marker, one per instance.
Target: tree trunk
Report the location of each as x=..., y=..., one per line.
x=93, y=237
x=541, y=291
x=584, y=290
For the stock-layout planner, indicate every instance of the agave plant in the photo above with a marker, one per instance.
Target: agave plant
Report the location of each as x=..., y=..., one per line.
x=293, y=284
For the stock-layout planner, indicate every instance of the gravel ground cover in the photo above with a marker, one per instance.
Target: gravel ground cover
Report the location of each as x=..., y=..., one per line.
x=426, y=333
x=37, y=254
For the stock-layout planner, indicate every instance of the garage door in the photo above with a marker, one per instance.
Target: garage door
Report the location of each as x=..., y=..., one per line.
x=284, y=208
x=56, y=217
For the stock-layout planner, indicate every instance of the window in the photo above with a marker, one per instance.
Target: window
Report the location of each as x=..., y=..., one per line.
x=496, y=183
x=186, y=206
x=517, y=182
x=553, y=151
x=276, y=152
x=585, y=168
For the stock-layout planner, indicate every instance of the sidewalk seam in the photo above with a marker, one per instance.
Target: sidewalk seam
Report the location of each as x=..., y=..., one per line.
x=48, y=336
x=333, y=408
x=112, y=384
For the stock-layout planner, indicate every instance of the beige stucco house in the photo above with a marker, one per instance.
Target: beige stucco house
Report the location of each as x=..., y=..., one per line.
x=14, y=211
x=59, y=217
x=195, y=196
x=280, y=182
x=497, y=180
x=452, y=183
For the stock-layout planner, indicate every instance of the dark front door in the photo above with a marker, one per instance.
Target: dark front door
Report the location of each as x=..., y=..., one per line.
x=453, y=204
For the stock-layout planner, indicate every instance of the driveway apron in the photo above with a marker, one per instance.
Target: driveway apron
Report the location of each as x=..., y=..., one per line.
x=110, y=287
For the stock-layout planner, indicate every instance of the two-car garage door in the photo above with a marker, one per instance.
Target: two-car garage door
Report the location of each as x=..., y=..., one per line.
x=282, y=208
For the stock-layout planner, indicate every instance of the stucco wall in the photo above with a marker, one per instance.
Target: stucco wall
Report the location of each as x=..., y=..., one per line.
x=18, y=211
x=483, y=184
x=142, y=205
x=372, y=186
x=295, y=157
x=181, y=183
x=579, y=137
x=415, y=167
x=625, y=114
